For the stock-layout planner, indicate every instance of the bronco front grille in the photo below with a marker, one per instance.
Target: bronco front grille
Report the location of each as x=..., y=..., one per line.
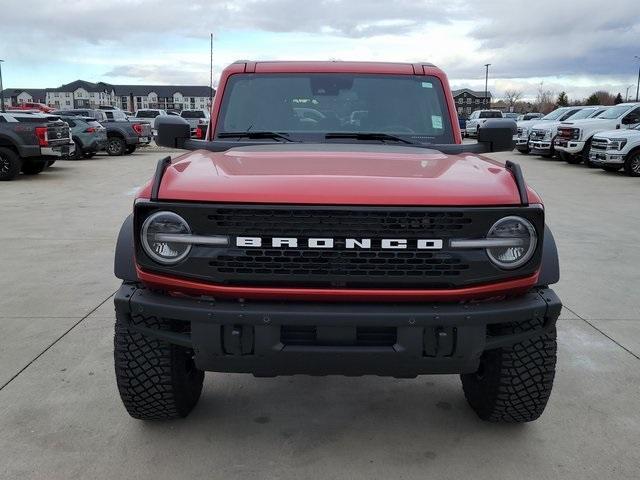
x=338, y=267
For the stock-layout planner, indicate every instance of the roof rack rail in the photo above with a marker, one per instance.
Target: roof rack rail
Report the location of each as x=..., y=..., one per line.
x=516, y=171
x=157, y=177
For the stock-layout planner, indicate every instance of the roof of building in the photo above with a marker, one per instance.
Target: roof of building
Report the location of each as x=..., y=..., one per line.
x=88, y=86
x=162, y=90
x=36, y=93
x=475, y=93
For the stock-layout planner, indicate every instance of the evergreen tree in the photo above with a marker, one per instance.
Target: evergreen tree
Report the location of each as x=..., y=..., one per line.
x=563, y=100
x=618, y=99
x=592, y=100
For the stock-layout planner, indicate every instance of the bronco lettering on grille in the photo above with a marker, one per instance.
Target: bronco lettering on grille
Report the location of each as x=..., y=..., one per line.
x=345, y=243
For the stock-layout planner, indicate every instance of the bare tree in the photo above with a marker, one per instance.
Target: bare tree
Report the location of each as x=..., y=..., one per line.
x=511, y=97
x=545, y=99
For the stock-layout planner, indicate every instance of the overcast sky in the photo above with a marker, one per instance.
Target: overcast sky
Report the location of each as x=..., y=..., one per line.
x=575, y=45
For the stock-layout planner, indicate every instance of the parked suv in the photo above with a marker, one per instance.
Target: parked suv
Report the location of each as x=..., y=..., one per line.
x=89, y=136
x=612, y=150
x=149, y=115
x=477, y=119
x=574, y=137
x=286, y=246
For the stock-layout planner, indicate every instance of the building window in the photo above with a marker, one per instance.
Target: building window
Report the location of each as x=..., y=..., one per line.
x=468, y=109
x=469, y=101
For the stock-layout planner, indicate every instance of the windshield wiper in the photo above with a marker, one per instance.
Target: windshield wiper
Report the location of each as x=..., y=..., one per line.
x=370, y=136
x=256, y=134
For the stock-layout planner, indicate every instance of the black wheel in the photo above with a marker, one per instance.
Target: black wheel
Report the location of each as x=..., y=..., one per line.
x=130, y=149
x=29, y=168
x=573, y=159
x=9, y=164
x=156, y=380
x=115, y=146
x=513, y=384
x=585, y=154
x=608, y=168
x=88, y=155
x=632, y=165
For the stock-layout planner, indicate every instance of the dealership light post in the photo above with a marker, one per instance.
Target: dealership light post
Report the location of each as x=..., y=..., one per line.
x=638, y=87
x=626, y=95
x=486, y=83
x=1, y=89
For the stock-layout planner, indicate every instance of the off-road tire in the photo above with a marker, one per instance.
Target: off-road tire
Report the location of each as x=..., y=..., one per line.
x=9, y=164
x=632, y=164
x=29, y=168
x=130, y=149
x=585, y=154
x=115, y=146
x=513, y=383
x=156, y=380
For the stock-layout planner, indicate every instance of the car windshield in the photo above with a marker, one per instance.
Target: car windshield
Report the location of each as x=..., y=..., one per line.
x=490, y=114
x=584, y=113
x=556, y=114
x=192, y=114
x=307, y=107
x=614, y=112
x=147, y=113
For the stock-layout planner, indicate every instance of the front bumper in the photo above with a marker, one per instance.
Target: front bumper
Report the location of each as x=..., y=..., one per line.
x=268, y=338
x=568, y=146
x=602, y=159
x=541, y=147
x=522, y=143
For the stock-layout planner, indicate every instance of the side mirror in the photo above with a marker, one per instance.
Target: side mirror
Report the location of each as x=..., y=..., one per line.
x=497, y=134
x=172, y=131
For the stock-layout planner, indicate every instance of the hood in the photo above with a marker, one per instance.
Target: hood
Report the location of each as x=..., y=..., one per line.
x=620, y=133
x=530, y=123
x=546, y=125
x=588, y=122
x=338, y=174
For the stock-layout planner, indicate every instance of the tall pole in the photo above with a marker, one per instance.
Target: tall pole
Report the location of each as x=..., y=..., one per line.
x=486, y=84
x=211, y=74
x=638, y=87
x=1, y=89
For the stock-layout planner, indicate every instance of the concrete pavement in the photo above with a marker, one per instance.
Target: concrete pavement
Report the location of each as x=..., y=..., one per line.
x=61, y=418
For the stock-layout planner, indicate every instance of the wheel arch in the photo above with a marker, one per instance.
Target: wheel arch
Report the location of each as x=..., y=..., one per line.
x=550, y=266
x=124, y=265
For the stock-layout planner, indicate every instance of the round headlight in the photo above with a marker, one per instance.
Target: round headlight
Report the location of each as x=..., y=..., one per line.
x=520, y=249
x=156, y=237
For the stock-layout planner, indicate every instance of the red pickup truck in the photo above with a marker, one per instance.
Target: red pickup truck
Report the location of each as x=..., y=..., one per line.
x=332, y=222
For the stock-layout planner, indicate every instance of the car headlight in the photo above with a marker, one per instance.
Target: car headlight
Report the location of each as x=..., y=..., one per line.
x=575, y=134
x=524, y=132
x=616, y=143
x=547, y=135
x=155, y=237
x=519, y=239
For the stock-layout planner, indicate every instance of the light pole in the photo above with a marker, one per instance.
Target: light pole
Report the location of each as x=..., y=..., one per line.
x=626, y=95
x=1, y=89
x=486, y=84
x=638, y=87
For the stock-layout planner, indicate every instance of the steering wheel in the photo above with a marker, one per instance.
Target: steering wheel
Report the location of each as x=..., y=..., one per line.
x=396, y=129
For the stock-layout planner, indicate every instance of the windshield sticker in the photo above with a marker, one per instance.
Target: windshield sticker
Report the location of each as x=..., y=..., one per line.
x=427, y=85
x=436, y=121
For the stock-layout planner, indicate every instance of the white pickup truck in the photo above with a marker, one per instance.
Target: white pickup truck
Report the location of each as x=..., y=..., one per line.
x=524, y=127
x=614, y=149
x=477, y=118
x=573, y=141
x=542, y=135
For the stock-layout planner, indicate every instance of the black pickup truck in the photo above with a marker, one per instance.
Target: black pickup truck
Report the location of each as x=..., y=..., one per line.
x=123, y=136
x=29, y=142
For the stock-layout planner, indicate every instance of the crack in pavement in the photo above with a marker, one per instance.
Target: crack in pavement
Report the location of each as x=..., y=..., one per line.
x=56, y=341
x=601, y=332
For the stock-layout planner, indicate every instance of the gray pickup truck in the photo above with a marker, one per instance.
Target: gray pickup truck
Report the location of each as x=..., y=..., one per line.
x=29, y=142
x=123, y=136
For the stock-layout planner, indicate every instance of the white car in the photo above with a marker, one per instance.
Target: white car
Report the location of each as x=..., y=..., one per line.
x=524, y=127
x=612, y=150
x=573, y=141
x=542, y=135
x=196, y=118
x=477, y=118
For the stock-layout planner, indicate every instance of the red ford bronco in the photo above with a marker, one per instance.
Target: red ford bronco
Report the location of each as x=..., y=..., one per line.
x=332, y=222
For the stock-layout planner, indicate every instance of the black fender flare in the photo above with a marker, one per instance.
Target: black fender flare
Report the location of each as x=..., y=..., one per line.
x=124, y=265
x=550, y=266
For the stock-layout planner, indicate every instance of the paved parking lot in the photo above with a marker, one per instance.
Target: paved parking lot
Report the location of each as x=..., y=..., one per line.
x=61, y=418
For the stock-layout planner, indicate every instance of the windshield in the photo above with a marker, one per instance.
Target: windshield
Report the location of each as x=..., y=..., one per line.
x=556, y=114
x=192, y=114
x=308, y=106
x=490, y=114
x=584, y=113
x=147, y=113
x=614, y=112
